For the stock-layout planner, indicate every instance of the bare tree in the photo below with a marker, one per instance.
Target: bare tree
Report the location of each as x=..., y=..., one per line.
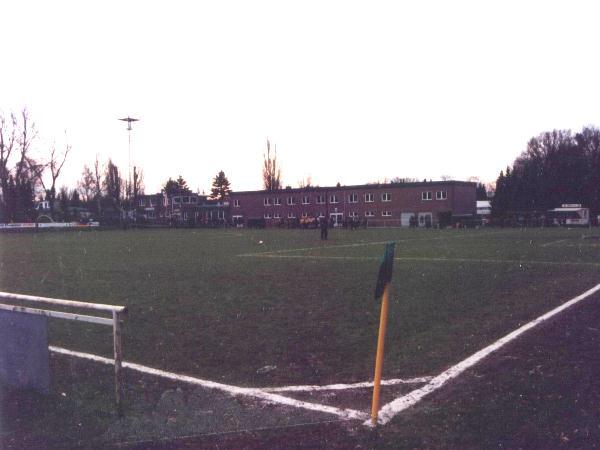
x=8, y=137
x=138, y=183
x=400, y=180
x=114, y=185
x=55, y=164
x=271, y=172
x=86, y=186
x=305, y=183
x=17, y=179
x=98, y=184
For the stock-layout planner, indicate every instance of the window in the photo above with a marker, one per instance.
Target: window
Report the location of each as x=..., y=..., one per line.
x=353, y=214
x=369, y=198
x=291, y=200
x=441, y=195
x=320, y=214
x=291, y=215
x=320, y=199
x=267, y=215
x=236, y=203
x=186, y=199
x=306, y=200
x=369, y=214
x=353, y=198
x=386, y=213
x=185, y=215
x=305, y=214
x=151, y=215
x=141, y=202
x=277, y=201
x=221, y=214
x=267, y=201
x=277, y=216
x=333, y=198
x=152, y=202
x=426, y=195
x=386, y=197
x=176, y=200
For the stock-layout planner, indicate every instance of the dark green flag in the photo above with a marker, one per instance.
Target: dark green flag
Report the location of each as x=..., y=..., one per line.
x=386, y=269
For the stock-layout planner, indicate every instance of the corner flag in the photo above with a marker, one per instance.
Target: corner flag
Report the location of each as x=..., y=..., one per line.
x=385, y=269
x=382, y=290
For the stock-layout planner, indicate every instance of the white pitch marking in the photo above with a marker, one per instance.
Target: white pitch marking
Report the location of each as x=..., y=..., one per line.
x=356, y=244
x=233, y=390
x=272, y=252
x=406, y=401
x=425, y=259
x=510, y=261
x=553, y=242
x=339, y=387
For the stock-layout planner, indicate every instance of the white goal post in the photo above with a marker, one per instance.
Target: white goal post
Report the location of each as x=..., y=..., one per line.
x=117, y=316
x=384, y=223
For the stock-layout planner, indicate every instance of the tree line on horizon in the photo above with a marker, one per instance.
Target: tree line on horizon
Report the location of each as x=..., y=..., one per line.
x=557, y=167
x=101, y=190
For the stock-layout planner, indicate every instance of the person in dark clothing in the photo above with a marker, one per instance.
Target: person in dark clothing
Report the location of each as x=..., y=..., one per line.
x=324, y=229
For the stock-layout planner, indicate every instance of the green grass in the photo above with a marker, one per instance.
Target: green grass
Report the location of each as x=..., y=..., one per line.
x=197, y=307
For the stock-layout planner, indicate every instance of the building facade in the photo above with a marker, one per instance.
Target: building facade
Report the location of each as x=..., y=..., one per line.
x=185, y=208
x=404, y=204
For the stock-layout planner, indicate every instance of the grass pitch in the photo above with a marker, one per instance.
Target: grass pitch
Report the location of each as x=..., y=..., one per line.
x=220, y=305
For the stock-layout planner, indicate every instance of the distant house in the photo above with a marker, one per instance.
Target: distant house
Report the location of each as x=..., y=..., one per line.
x=181, y=208
x=484, y=211
x=42, y=207
x=569, y=214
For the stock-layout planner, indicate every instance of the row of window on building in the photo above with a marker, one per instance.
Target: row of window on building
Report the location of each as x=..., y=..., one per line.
x=181, y=200
x=185, y=215
x=352, y=198
x=352, y=214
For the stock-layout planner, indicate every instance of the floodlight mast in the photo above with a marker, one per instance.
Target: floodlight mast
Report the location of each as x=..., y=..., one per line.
x=129, y=120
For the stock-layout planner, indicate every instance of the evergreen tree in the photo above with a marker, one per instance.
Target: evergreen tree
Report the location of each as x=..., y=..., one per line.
x=178, y=186
x=220, y=187
x=481, y=192
x=75, y=200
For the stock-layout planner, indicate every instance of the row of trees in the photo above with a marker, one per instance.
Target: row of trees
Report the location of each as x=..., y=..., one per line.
x=221, y=188
x=557, y=167
x=102, y=190
x=22, y=174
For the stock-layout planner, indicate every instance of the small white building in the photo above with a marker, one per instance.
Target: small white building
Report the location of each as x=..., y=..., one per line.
x=484, y=211
x=570, y=214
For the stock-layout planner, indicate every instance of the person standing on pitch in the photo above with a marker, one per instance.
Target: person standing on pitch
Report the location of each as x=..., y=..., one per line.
x=324, y=228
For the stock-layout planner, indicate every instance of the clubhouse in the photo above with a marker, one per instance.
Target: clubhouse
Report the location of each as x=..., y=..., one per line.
x=423, y=204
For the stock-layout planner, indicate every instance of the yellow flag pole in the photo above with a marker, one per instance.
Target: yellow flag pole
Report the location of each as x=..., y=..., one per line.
x=379, y=357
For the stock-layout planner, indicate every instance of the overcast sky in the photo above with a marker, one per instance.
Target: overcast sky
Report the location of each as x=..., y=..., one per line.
x=350, y=92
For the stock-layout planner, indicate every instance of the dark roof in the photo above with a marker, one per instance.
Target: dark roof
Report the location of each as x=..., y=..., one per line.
x=361, y=186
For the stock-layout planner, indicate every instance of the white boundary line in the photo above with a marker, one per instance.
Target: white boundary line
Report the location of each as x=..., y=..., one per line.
x=406, y=401
x=273, y=252
x=425, y=259
x=233, y=390
x=340, y=387
x=553, y=242
x=356, y=244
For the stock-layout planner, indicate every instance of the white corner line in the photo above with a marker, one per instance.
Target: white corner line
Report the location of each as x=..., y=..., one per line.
x=233, y=390
x=340, y=387
x=398, y=405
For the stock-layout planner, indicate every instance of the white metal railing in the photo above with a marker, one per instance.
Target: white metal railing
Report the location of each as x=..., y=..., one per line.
x=115, y=321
